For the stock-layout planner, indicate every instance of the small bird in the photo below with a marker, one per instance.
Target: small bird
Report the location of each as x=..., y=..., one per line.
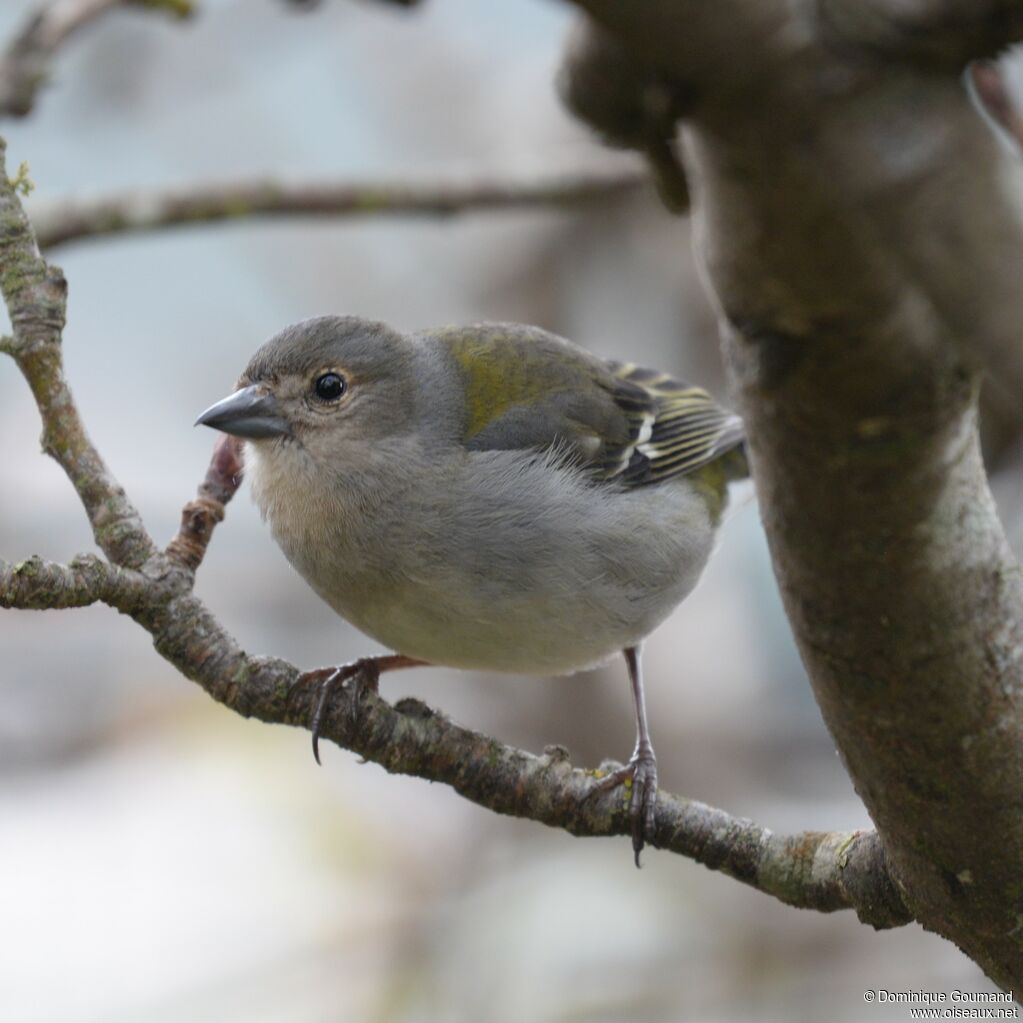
x=487, y=497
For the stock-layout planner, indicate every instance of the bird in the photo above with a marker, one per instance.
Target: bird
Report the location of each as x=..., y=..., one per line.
x=488, y=496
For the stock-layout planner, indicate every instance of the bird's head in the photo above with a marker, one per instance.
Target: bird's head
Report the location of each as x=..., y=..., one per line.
x=327, y=384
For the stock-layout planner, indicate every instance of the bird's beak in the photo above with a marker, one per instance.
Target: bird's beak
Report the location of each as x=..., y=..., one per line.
x=250, y=412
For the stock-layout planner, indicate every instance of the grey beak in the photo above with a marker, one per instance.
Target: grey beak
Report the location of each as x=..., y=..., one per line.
x=250, y=412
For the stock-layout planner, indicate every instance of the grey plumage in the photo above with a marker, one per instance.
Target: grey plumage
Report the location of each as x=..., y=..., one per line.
x=506, y=546
x=489, y=496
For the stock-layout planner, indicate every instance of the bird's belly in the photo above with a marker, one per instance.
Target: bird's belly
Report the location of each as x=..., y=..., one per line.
x=537, y=576
x=521, y=636
x=499, y=613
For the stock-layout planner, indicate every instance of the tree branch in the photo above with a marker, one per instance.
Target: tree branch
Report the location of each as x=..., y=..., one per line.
x=25, y=65
x=628, y=107
x=36, y=297
x=42, y=585
x=62, y=221
x=813, y=870
x=934, y=33
x=200, y=517
x=863, y=231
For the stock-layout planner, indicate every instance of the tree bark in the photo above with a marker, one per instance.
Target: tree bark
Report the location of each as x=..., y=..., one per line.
x=863, y=231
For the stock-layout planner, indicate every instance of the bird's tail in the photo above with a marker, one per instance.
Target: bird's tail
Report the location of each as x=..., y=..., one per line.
x=735, y=463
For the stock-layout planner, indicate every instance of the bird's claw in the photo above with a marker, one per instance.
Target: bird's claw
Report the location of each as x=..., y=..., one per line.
x=641, y=773
x=363, y=675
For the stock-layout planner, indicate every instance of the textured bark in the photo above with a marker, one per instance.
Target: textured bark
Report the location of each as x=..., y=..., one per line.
x=862, y=229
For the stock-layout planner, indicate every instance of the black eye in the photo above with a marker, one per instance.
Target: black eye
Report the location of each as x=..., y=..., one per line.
x=330, y=386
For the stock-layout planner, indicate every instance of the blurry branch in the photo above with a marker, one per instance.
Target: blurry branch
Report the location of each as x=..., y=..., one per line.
x=629, y=108
x=1001, y=410
x=65, y=220
x=993, y=95
x=308, y=5
x=935, y=33
x=814, y=870
x=25, y=63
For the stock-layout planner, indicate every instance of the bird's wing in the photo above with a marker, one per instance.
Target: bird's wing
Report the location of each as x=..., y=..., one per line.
x=528, y=389
x=674, y=427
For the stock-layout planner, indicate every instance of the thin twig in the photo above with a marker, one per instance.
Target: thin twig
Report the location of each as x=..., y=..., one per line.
x=64, y=220
x=200, y=516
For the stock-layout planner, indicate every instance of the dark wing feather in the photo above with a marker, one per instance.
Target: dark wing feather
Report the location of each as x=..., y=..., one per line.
x=527, y=389
x=674, y=428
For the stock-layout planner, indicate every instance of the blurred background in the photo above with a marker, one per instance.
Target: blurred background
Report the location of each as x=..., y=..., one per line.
x=161, y=858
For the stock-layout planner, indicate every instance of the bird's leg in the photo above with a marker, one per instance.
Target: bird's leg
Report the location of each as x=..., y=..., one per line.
x=642, y=766
x=365, y=675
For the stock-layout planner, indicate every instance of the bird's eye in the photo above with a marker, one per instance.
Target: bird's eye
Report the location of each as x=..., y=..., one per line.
x=329, y=386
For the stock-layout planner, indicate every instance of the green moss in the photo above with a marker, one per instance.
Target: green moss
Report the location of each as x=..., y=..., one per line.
x=369, y=201
x=179, y=8
x=111, y=221
x=13, y=277
x=21, y=182
x=234, y=208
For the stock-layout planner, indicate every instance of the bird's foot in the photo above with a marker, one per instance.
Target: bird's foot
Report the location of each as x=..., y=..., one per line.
x=640, y=774
x=363, y=675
